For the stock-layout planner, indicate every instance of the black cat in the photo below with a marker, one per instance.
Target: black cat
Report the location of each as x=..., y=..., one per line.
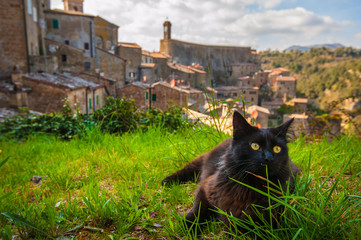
x=246, y=157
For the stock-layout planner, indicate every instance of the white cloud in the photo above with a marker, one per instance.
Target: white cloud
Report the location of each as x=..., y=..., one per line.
x=235, y=22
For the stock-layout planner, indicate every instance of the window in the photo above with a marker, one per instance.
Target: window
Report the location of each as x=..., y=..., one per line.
x=87, y=65
x=97, y=98
x=252, y=92
x=35, y=16
x=67, y=42
x=55, y=23
x=90, y=103
x=146, y=95
x=154, y=97
x=29, y=6
x=63, y=58
x=132, y=74
x=86, y=46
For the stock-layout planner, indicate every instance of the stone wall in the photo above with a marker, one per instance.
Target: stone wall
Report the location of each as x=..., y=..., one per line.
x=75, y=29
x=44, y=97
x=12, y=36
x=43, y=64
x=112, y=66
x=217, y=58
x=133, y=55
x=106, y=34
x=137, y=93
x=70, y=59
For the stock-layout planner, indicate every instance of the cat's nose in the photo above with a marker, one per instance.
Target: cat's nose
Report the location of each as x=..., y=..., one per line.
x=268, y=156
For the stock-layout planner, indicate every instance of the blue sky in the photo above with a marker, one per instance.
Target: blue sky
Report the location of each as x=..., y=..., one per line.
x=260, y=24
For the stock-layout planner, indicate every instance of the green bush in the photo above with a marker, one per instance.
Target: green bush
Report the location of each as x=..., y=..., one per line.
x=117, y=116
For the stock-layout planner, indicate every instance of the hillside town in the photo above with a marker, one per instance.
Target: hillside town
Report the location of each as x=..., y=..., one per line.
x=48, y=55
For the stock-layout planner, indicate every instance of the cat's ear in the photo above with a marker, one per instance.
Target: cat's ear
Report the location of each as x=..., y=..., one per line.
x=240, y=125
x=281, y=131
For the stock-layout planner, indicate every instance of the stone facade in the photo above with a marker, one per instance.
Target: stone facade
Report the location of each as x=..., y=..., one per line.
x=48, y=91
x=112, y=67
x=72, y=28
x=106, y=34
x=74, y=5
x=132, y=52
x=261, y=114
x=285, y=87
x=138, y=92
x=162, y=96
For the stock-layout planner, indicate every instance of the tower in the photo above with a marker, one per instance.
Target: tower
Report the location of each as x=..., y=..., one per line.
x=167, y=30
x=73, y=5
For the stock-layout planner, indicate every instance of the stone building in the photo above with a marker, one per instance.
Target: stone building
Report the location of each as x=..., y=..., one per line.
x=106, y=34
x=299, y=124
x=154, y=67
x=237, y=70
x=187, y=75
x=249, y=94
x=276, y=72
x=21, y=33
x=48, y=91
x=162, y=95
x=112, y=67
x=216, y=58
x=132, y=52
x=285, y=87
x=71, y=28
x=261, y=114
x=73, y=5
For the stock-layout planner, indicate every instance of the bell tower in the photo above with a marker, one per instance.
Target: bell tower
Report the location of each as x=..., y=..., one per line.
x=73, y=5
x=167, y=30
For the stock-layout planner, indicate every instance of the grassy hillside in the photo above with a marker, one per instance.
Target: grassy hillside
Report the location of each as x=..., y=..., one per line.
x=106, y=186
x=323, y=74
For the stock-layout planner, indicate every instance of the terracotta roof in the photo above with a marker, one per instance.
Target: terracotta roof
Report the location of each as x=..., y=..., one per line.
x=159, y=55
x=69, y=12
x=197, y=70
x=250, y=88
x=61, y=80
x=129, y=45
x=180, y=89
x=300, y=100
x=144, y=52
x=147, y=65
x=258, y=108
x=286, y=79
x=280, y=69
x=179, y=67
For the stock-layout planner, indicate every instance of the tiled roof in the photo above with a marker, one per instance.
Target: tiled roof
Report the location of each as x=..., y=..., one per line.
x=147, y=65
x=128, y=45
x=159, y=55
x=180, y=67
x=258, y=108
x=300, y=100
x=285, y=79
x=62, y=80
x=69, y=12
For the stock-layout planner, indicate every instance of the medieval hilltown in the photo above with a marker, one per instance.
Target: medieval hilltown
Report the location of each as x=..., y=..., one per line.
x=70, y=64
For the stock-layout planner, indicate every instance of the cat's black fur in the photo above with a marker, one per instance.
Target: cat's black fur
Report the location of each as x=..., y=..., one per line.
x=235, y=159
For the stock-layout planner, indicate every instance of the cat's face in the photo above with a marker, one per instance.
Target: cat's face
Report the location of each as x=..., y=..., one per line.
x=256, y=150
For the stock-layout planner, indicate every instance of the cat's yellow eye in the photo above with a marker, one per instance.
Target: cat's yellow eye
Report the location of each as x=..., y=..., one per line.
x=255, y=146
x=277, y=149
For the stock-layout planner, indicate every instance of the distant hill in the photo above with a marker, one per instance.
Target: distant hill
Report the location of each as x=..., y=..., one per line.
x=307, y=48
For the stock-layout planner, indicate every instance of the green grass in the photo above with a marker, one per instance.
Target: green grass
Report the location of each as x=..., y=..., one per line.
x=106, y=186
